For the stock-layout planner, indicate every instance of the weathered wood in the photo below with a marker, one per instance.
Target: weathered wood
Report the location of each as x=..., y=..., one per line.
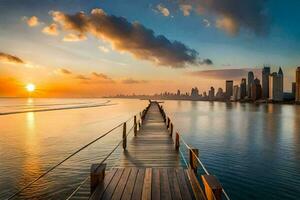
x=193, y=159
x=183, y=185
x=112, y=185
x=130, y=184
x=197, y=190
x=138, y=187
x=171, y=129
x=121, y=185
x=97, y=175
x=168, y=124
x=177, y=141
x=135, y=126
x=174, y=186
x=156, y=184
x=213, y=188
x=152, y=146
x=146, y=194
x=165, y=187
x=124, y=136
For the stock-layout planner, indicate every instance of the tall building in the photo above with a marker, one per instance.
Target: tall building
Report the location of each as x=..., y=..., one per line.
x=256, y=90
x=178, y=92
x=276, y=86
x=297, y=99
x=265, y=82
x=294, y=89
x=250, y=80
x=195, y=92
x=236, y=93
x=211, y=93
x=243, y=88
x=229, y=88
x=219, y=93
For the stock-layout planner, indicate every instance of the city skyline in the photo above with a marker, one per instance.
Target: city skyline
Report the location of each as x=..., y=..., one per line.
x=94, y=49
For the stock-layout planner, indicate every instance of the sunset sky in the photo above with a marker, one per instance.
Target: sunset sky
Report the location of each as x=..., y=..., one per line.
x=85, y=48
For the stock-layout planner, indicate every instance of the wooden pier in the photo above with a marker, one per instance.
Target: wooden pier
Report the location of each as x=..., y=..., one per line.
x=150, y=166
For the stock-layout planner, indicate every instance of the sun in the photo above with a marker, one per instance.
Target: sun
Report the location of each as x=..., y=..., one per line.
x=30, y=87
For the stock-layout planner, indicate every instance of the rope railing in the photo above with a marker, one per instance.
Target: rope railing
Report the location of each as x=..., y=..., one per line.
x=76, y=152
x=87, y=178
x=169, y=125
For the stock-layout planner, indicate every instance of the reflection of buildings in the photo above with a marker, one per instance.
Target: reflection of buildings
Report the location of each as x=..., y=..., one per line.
x=276, y=86
x=297, y=85
x=265, y=82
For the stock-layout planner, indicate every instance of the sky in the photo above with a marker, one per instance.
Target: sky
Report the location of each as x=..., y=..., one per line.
x=92, y=48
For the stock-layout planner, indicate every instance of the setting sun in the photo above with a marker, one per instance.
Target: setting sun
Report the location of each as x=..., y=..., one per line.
x=30, y=87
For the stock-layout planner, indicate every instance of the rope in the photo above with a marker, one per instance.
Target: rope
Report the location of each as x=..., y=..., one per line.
x=74, y=192
x=67, y=158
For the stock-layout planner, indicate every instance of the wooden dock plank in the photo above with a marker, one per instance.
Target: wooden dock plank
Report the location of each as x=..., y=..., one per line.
x=121, y=185
x=138, y=187
x=153, y=146
x=112, y=185
x=130, y=184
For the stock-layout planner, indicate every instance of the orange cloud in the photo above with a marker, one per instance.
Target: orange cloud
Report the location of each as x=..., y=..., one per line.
x=74, y=37
x=52, y=29
x=32, y=21
x=228, y=24
x=7, y=58
x=133, y=81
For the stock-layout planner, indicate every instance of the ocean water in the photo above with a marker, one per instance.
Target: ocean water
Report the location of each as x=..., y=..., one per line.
x=254, y=150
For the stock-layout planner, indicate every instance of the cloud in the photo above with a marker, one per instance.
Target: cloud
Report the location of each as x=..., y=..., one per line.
x=52, y=29
x=7, y=58
x=32, y=21
x=82, y=77
x=63, y=71
x=133, y=81
x=102, y=77
x=232, y=15
x=163, y=10
x=206, y=23
x=134, y=38
x=74, y=37
x=103, y=49
x=223, y=74
x=186, y=9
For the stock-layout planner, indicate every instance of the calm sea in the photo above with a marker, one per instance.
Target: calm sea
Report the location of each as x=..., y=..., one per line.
x=254, y=150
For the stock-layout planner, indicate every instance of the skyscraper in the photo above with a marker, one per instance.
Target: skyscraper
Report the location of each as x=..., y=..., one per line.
x=276, y=86
x=211, y=93
x=297, y=99
x=236, y=93
x=243, y=88
x=256, y=91
x=265, y=82
x=250, y=80
x=229, y=88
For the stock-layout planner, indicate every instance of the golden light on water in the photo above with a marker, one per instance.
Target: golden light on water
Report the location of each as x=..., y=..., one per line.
x=30, y=87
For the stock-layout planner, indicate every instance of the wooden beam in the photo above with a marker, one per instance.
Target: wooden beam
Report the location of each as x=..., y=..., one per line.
x=177, y=141
x=97, y=174
x=135, y=126
x=212, y=186
x=171, y=130
x=124, y=136
x=193, y=160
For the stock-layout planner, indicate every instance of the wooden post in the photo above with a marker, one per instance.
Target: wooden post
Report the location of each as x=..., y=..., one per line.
x=177, y=141
x=212, y=186
x=97, y=174
x=193, y=159
x=124, y=136
x=171, y=131
x=135, y=126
